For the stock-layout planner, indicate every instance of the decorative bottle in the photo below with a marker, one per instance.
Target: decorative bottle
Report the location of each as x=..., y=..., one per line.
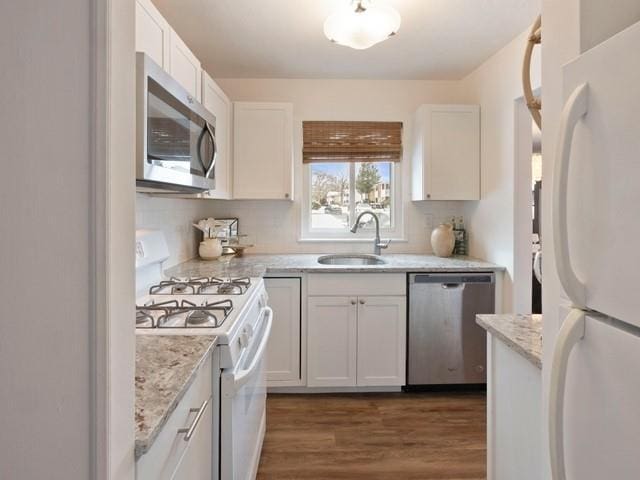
x=461, y=236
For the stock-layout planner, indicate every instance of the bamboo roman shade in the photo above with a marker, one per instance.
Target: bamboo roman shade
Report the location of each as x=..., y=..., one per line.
x=351, y=142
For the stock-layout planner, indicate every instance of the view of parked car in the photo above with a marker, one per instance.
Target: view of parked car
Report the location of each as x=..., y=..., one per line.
x=333, y=209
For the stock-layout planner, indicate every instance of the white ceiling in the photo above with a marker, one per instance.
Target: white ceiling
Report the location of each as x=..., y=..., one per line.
x=438, y=39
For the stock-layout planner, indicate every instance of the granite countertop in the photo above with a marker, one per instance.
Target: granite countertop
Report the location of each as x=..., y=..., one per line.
x=165, y=368
x=521, y=333
x=258, y=265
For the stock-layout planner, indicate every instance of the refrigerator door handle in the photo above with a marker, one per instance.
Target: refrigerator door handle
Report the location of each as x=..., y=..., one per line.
x=575, y=108
x=571, y=332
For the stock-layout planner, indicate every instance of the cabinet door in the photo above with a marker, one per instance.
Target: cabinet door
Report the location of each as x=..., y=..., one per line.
x=263, y=151
x=185, y=67
x=215, y=100
x=169, y=448
x=283, y=350
x=331, y=343
x=446, y=153
x=382, y=341
x=152, y=33
x=196, y=463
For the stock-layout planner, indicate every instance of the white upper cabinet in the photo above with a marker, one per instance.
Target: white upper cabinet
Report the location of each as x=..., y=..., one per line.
x=446, y=153
x=156, y=38
x=184, y=66
x=263, y=151
x=215, y=100
x=153, y=33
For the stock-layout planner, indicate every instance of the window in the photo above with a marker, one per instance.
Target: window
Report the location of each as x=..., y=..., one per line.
x=350, y=168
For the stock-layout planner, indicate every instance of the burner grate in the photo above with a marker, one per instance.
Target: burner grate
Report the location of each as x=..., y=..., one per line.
x=207, y=315
x=202, y=286
x=231, y=286
x=177, y=286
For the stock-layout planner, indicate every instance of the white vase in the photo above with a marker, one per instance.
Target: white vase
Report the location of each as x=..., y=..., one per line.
x=443, y=240
x=210, y=249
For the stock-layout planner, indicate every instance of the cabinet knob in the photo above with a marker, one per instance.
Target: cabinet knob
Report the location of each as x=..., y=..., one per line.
x=361, y=302
x=353, y=302
x=428, y=195
x=286, y=195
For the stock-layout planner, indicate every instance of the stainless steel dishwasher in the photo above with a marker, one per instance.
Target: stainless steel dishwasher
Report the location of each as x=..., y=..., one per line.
x=445, y=345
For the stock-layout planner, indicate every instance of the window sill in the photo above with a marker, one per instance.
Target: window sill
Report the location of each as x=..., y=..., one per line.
x=349, y=240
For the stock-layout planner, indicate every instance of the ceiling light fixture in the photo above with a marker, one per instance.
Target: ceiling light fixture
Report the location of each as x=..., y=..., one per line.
x=360, y=24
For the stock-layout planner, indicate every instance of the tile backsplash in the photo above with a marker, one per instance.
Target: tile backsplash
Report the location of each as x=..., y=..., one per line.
x=174, y=216
x=274, y=226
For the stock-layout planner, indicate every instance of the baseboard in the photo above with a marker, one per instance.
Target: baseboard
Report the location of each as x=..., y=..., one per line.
x=312, y=390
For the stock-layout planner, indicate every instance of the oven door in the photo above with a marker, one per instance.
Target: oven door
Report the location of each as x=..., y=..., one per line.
x=243, y=413
x=176, y=134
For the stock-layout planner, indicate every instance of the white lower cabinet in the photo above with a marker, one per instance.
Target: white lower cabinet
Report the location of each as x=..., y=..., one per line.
x=196, y=463
x=283, y=350
x=176, y=455
x=514, y=415
x=356, y=341
x=382, y=337
x=331, y=341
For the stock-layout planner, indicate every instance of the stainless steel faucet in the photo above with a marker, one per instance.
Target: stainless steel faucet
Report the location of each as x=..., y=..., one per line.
x=377, y=243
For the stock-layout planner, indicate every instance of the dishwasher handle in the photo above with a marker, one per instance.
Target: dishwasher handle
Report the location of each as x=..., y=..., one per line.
x=452, y=279
x=453, y=286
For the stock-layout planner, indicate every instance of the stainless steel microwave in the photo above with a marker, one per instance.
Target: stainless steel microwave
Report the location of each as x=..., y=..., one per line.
x=176, y=142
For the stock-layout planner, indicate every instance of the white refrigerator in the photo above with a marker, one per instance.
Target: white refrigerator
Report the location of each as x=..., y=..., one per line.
x=594, y=393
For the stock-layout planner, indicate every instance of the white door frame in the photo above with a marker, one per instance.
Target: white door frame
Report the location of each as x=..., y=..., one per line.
x=522, y=220
x=113, y=237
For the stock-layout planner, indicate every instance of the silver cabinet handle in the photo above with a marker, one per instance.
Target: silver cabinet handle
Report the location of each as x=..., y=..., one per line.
x=192, y=428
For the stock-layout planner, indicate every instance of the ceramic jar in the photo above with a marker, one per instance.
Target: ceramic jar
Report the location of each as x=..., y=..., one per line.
x=443, y=240
x=210, y=249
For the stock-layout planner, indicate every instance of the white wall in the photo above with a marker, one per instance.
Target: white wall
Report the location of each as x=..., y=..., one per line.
x=45, y=241
x=599, y=20
x=496, y=85
x=275, y=225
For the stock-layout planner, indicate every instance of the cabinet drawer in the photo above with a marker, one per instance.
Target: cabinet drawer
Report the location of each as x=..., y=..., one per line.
x=162, y=459
x=357, y=284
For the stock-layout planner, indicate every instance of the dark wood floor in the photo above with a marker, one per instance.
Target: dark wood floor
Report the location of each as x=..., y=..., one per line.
x=375, y=436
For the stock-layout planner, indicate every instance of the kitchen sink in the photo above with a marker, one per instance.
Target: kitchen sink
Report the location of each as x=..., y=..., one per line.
x=351, y=260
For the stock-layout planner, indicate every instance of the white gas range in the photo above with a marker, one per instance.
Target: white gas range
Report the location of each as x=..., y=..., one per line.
x=236, y=311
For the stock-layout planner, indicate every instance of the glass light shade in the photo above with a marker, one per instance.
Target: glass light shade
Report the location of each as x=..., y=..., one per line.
x=361, y=28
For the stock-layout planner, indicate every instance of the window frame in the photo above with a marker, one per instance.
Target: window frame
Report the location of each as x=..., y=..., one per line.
x=395, y=232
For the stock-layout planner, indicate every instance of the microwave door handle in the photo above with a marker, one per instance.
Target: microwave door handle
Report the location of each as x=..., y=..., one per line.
x=214, y=154
x=199, y=149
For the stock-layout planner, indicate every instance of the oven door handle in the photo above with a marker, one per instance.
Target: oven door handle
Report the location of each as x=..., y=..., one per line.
x=245, y=375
